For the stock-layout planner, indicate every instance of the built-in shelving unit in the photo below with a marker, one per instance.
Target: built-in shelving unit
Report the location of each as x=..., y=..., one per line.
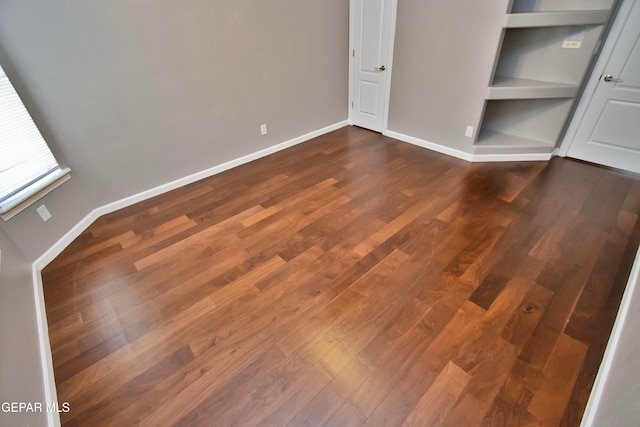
x=537, y=74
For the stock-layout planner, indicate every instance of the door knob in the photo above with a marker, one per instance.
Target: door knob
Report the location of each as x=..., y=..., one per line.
x=609, y=78
x=382, y=68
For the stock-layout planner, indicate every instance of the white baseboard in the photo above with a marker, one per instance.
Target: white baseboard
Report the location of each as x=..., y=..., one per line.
x=468, y=156
x=136, y=198
x=430, y=145
x=65, y=240
x=525, y=157
x=53, y=419
x=593, y=404
x=46, y=360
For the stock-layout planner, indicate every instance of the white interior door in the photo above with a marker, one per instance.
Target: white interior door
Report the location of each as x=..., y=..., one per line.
x=609, y=133
x=372, y=26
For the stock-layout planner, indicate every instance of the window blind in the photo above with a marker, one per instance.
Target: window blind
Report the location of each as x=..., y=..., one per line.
x=26, y=162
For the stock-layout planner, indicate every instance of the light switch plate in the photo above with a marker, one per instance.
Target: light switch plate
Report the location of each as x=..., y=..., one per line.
x=469, y=132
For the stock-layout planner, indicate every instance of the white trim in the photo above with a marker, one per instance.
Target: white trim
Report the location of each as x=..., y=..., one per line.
x=605, y=367
x=65, y=240
x=389, y=65
x=391, y=47
x=525, y=157
x=53, y=419
x=430, y=145
x=352, y=46
x=128, y=201
x=592, y=83
x=46, y=360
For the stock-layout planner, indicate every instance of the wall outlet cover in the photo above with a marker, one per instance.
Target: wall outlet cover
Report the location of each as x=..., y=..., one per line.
x=44, y=213
x=263, y=129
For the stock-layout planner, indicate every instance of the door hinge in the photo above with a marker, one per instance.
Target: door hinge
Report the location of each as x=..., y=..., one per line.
x=351, y=104
x=353, y=53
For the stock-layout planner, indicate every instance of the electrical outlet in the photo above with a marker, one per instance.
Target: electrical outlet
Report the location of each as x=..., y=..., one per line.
x=469, y=132
x=263, y=129
x=44, y=213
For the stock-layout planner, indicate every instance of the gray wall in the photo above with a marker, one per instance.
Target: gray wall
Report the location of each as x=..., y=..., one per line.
x=135, y=94
x=68, y=205
x=442, y=64
x=20, y=369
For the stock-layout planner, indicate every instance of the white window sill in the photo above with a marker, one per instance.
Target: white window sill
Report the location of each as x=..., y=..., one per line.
x=33, y=193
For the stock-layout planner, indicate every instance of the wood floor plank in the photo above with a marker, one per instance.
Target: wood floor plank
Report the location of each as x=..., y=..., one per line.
x=350, y=280
x=487, y=378
x=510, y=407
x=299, y=396
x=347, y=415
x=320, y=409
x=388, y=372
x=225, y=403
x=551, y=398
x=524, y=321
x=436, y=403
x=191, y=246
x=555, y=318
x=410, y=381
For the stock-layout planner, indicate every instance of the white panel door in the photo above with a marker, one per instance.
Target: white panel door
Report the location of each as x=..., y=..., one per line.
x=609, y=133
x=372, y=31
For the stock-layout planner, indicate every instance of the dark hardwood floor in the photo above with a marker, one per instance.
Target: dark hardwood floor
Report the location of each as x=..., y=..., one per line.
x=351, y=279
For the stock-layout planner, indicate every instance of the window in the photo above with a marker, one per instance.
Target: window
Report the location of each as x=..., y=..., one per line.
x=28, y=169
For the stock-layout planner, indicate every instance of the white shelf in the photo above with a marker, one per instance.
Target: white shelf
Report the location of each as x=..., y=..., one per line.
x=489, y=139
x=557, y=19
x=515, y=88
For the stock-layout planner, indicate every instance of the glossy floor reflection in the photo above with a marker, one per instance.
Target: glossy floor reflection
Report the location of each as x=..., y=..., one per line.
x=351, y=279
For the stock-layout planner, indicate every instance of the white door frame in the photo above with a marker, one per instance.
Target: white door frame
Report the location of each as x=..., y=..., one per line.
x=392, y=37
x=592, y=83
